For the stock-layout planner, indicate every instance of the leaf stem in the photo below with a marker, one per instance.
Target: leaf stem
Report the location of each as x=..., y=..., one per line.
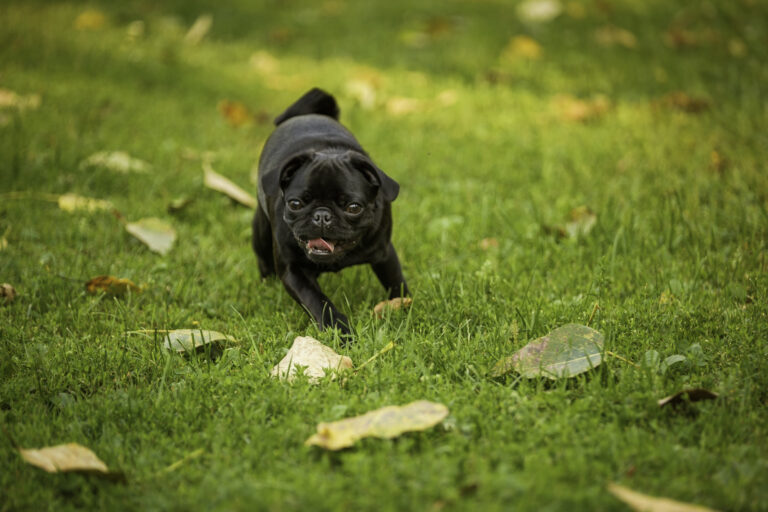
x=592, y=315
x=621, y=358
x=389, y=346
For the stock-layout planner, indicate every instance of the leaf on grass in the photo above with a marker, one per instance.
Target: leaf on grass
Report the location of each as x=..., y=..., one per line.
x=64, y=458
x=539, y=10
x=90, y=19
x=613, y=36
x=118, y=161
x=581, y=110
x=179, y=204
x=264, y=62
x=187, y=340
x=157, y=234
x=72, y=203
x=7, y=293
x=488, y=243
x=686, y=103
x=111, y=286
x=688, y=395
x=362, y=91
x=12, y=100
x=199, y=29
x=391, y=305
x=645, y=503
x=398, y=106
x=521, y=48
x=565, y=352
x=581, y=220
x=387, y=422
x=310, y=353
x=235, y=113
x=219, y=183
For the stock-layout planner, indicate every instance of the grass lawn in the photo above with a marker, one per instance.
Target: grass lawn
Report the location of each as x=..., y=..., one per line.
x=651, y=114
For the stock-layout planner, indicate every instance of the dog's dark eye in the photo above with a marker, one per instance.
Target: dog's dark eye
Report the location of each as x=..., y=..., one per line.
x=354, y=208
x=295, y=204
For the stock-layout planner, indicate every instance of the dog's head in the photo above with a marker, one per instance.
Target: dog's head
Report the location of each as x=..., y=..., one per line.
x=331, y=200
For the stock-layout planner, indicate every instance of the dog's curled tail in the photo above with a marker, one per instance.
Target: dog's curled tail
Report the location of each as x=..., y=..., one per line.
x=316, y=101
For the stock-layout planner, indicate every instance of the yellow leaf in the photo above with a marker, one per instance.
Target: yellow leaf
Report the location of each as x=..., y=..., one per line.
x=581, y=220
x=118, y=161
x=612, y=36
x=199, y=29
x=111, y=285
x=398, y=106
x=90, y=19
x=10, y=99
x=64, y=457
x=157, y=234
x=264, y=62
x=317, y=358
x=363, y=92
x=387, y=422
x=448, y=97
x=577, y=110
x=7, y=293
x=219, y=183
x=644, y=503
x=521, y=48
x=391, y=305
x=539, y=10
x=235, y=113
x=737, y=47
x=488, y=243
x=72, y=203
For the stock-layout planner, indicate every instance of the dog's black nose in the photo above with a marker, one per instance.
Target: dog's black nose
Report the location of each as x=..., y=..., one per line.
x=322, y=217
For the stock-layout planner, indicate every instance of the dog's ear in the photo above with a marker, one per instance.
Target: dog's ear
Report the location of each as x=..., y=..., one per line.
x=388, y=187
x=277, y=180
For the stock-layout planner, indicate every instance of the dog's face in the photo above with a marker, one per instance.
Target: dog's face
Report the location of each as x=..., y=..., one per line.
x=331, y=201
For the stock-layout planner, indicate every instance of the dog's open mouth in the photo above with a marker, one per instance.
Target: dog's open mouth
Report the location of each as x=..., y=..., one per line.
x=321, y=246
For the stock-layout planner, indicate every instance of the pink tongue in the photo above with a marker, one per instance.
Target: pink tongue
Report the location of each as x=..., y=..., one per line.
x=319, y=243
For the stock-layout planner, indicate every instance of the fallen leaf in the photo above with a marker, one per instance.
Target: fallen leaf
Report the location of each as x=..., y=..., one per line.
x=157, y=234
x=179, y=204
x=118, y=161
x=717, y=162
x=578, y=110
x=666, y=297
x=10, y=99
x=391, y=305
x=539, y=10
x=737, y=48
x=387, y=422
x=310, y=353
x=688, y=395
x=72, y=203
x=90, y=19
x=7, y=293
x=199, y=29
x=363, y=92
x=111, y=286
x=398, y=106
x=645, y=503
x=448, y=97
x=521, y=48
x=235, y=113
x=565, y=352
x=219, y=183
x=187, y=340
x=65, y=458
x=581, y=220
x=264, y=62
x=682, y=101
x=612, y=36
x=488, y=243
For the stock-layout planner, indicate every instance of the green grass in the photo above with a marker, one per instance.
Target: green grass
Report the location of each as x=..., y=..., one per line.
x=500, y=162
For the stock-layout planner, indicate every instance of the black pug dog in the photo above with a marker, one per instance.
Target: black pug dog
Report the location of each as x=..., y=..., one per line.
x=323, y=206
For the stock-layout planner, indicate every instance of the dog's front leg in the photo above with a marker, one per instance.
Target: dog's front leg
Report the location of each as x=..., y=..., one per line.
x=305, y=290
x=390, y=274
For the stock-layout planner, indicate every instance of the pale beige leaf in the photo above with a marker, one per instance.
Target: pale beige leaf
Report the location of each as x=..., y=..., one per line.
x=539, y=10
x=387, y=422
x=391, y=305
x=264, y=62
x=644, y=503
x=581, y=110
x=7, y=293
x=219, y=183
x=111, y=286
x=72, y=203
x=186, y=340
x=398, y=106
x=363, y=91
x=10, y=99
x=118, y=161
x=310, y=353
x=64, y=457
x=199, y=29
x=157, y=234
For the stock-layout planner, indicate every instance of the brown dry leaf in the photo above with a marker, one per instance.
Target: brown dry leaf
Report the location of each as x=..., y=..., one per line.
x=72, y=203
x=7, y=293
x=111, y=286
x=488, y=243
x=65, y=457
x=581, y=220
x=391, y=305
x=613, y=36
x=682, y=101
x=387, y=422
x=219, y=183
x=521, y=48
x=316, y=357
x=690, y=395
x=398, y=106
x=582, y=111
x=10, y=99
x=199, y=29
x=235, y=113
x=118, y=161
x=644, y=503
x=90, y=19
x=157, y=234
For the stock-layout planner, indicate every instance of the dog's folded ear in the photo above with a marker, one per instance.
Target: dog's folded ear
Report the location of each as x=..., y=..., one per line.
x=388, y=187
x=275, y=180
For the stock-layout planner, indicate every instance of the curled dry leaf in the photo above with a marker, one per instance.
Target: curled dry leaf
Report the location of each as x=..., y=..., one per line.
x=644, y=503
x=219, y=183
x=7, y=293
x=235, y=113
x=316, y=357
x=391, y=305
x=157, y=234
x=64, y=458
x=72, y=203
x=387, y=422
x=187, y=340
x=111, y=286
x=118, y=161
x=10, y=99
x=565, y=352
x=690, y=395
x=199, y=29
